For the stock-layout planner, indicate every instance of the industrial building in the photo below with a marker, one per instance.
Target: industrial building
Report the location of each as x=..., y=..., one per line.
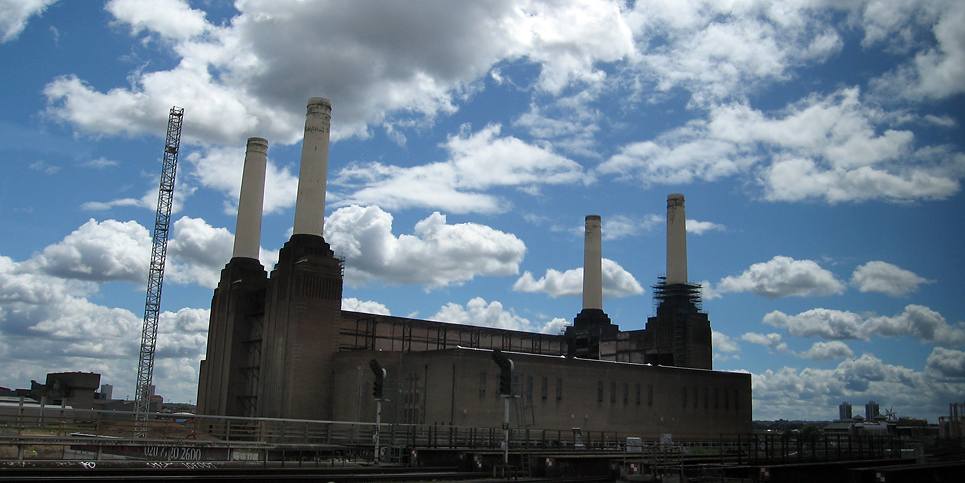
x=280, y=346
x=69, y=391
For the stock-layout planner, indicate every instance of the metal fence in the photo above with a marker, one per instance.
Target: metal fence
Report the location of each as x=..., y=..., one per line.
x=49, y=433
x=64, y=421
x=791, y=448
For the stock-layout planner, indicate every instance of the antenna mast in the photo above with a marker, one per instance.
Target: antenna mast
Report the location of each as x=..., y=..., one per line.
x=152, y=305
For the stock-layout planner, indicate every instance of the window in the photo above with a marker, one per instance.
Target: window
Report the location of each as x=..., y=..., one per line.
x=559, y=388
x=626, y=393
x=544, y=390
x=649, y=394
x=638, y=393
x=695, y=398
x=599, y=391
x=706, y=398
x=737, y=399
x=716, y=398
x=683, y=396
x=482, y=384
x=529, y=388
x=613, y=393
x=726, y=399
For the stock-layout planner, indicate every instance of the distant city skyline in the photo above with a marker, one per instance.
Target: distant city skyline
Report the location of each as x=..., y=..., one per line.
x=821, y=150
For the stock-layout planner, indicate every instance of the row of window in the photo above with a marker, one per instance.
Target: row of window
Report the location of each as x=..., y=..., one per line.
x=408, y=335
x=721, y=397
x=689, y=396
x=528, y=392
x=412, y=407
x=638, y=399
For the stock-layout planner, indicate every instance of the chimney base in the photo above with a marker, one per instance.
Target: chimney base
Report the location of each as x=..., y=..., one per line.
x=589, y=327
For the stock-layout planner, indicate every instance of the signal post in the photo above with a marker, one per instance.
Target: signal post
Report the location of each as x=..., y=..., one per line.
x=378, y=388
x=506, y=391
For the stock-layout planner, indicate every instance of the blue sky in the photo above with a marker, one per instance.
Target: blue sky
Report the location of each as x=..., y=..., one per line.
x=819, y=146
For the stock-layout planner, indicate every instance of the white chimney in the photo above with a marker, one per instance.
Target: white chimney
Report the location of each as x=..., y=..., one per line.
x=592, y=264
x=251, y=200
x=676, y=239
x=313, y=172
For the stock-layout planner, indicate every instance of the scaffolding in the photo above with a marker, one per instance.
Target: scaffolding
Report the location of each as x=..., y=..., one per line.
x=684, y=296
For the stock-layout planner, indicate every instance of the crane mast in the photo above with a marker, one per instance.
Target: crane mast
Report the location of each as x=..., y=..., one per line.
x=152, y=304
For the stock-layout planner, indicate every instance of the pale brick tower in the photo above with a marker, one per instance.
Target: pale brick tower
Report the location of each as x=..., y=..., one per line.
x=229, y=375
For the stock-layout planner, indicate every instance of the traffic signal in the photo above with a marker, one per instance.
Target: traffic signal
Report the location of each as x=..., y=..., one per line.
x=505, y=373
x=379, y=385
x=506, y=382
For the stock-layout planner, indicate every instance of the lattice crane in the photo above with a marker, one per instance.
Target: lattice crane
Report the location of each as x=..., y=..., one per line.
x=152, y=304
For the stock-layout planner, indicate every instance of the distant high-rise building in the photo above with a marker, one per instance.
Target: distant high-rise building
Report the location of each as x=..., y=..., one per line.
x=871, y=410
x=844, y=411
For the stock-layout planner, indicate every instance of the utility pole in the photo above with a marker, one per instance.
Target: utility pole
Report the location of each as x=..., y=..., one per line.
x=378, y=388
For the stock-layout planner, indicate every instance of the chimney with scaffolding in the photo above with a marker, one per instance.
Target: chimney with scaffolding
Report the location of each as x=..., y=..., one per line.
x=679, y=335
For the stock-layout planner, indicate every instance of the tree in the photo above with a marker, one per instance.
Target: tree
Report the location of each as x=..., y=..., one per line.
x=810, y=432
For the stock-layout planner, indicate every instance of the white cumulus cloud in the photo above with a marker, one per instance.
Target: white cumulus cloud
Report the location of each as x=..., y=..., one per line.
x=100, y=251
x=242, y=78
x=877, y=276
x=169, y=18
x=221, y=168
x=719, y=50
x=51, y=322
x=436, y=255
x=724, y=343
x=252, y=74
x=617, y=282
x=772, y=341
x=938, y=67
x=616, y=227
x=353, y=304
x=947, y=362
x=701, y=227
x=478, y=312
x=835, y=148
x=823, y=351
x=783, y=277
x=815, y=393
x=200, y=252
x=915, y=321
x=477, y=162
x=15, y=13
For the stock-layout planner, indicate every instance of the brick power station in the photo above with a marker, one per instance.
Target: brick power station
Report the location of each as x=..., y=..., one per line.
x=280, y=345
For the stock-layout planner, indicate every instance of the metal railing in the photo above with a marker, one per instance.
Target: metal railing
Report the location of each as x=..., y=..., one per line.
x=37, y=432
x=64, y=421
